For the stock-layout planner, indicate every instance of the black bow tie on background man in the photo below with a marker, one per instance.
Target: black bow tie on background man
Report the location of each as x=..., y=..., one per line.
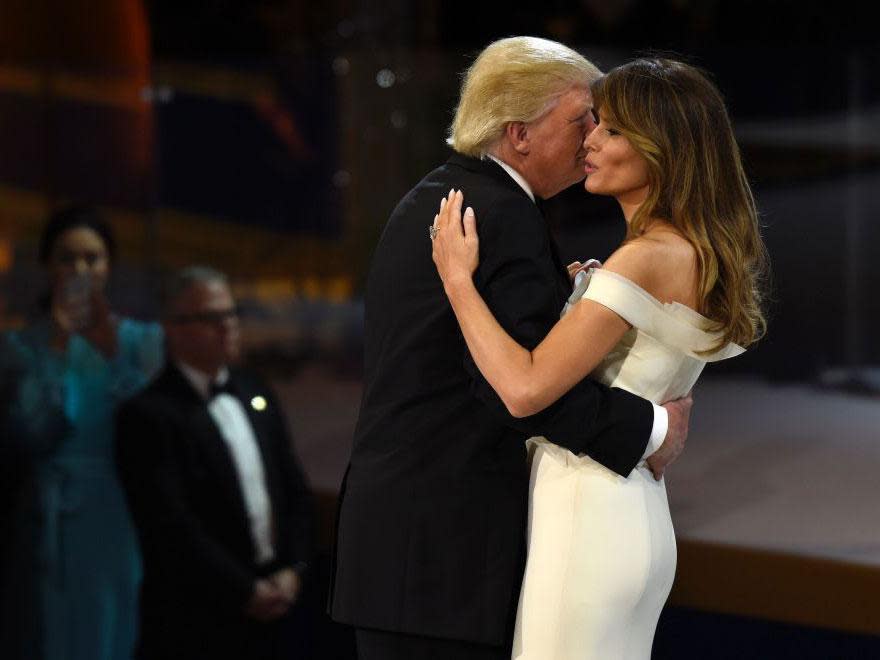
x=227, y=387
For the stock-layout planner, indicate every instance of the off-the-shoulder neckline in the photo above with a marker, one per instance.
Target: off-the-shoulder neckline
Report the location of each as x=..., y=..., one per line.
x=653, y=299
x=676, y=314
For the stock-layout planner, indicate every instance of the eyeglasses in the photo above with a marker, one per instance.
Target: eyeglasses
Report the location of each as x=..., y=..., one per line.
x=214, y=317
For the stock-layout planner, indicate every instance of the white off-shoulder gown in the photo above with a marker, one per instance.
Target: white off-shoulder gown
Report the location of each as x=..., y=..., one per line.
x=601, y=547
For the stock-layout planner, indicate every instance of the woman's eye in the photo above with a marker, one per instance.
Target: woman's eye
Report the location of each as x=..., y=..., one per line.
x=70, y=258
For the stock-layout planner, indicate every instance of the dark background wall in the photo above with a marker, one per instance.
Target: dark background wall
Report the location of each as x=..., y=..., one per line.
x=274, y=137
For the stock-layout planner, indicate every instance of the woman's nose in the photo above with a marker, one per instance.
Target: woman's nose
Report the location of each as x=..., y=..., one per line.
x=595, y=139
x=589, y=141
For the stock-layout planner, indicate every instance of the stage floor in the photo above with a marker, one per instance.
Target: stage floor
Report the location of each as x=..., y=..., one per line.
x=775, y=499
x=792, y=469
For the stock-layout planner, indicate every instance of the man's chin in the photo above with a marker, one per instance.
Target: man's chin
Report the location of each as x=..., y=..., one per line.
x=571, y=183
x=577, y=180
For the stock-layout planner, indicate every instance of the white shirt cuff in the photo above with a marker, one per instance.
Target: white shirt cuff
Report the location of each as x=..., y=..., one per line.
x=658, y=432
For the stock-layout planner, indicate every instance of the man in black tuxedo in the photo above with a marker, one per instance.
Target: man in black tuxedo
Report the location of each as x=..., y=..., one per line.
x=221, y=506
x=430, y=538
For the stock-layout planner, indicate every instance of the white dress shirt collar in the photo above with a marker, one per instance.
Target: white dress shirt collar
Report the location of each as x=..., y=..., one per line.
x=200, y=380
x=516, y=176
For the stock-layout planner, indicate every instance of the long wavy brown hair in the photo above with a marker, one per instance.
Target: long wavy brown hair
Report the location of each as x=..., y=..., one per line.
x=676, y=119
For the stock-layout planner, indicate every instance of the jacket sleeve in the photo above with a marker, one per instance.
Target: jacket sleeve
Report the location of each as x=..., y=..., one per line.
x=518, y=280
x=148, y=462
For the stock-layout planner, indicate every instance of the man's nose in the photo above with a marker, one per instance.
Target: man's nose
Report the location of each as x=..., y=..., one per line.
x=591, y=124
x=81, y=266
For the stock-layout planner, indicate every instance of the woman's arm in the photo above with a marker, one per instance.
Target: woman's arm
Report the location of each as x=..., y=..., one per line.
x=526, y=381
x=33, y=420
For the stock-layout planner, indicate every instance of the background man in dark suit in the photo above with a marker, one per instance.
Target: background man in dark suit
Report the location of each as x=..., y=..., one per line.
x=431, y=528
x=220, y=503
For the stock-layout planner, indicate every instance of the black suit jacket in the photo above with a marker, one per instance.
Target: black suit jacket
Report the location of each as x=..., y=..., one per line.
x=187, y=504
x=430, y=536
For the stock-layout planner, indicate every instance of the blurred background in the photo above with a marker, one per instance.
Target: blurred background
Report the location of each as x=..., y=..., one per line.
x=272, y=138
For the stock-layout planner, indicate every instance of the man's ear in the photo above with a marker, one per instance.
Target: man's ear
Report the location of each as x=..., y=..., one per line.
x=517, y=134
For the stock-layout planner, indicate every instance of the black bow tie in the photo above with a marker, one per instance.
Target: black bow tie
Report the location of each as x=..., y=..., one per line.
x=217, y=389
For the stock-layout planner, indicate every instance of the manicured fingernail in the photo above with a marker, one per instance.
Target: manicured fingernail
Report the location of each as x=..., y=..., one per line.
x=468, y=211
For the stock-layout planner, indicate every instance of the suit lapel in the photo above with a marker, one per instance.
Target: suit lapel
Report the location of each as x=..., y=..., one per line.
x=563, y=281
x=202, y=431
x=214, y=449
x=260, y=423
x=494, y=170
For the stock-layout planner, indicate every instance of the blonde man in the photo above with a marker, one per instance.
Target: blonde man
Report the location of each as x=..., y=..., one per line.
x=432, y=517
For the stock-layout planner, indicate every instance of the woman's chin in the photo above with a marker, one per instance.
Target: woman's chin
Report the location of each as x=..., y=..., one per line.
x=591, y=187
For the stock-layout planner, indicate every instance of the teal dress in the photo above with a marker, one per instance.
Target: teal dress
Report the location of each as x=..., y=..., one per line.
x=73, y=567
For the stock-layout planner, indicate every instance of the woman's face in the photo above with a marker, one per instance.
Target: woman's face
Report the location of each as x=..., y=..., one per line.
x=613, y=166
x=79, y=251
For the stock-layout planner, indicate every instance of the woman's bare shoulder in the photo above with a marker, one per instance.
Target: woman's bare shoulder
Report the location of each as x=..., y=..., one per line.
x=663, y=262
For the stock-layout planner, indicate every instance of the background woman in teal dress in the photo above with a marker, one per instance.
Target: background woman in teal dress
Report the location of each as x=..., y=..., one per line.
x=72, y=569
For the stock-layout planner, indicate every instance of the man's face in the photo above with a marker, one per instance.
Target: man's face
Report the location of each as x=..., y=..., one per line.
x=556, y=143
x=203, y=328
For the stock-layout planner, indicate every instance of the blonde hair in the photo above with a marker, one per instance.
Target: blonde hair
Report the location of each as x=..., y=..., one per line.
x=513, y=79
x=676, y=119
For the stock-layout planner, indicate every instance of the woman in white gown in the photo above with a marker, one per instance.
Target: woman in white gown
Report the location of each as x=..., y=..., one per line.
x=682, y=290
